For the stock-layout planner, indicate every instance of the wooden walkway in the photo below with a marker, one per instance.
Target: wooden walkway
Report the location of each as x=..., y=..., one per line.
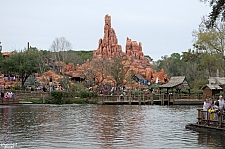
x=22, y=95
x=8, y=101
x=150, y=100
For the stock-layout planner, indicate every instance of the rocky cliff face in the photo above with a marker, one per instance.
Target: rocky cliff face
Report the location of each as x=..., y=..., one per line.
x=108, y=47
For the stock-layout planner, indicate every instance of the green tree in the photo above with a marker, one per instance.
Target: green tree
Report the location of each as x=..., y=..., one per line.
x=218, y=11
x=211, y=40
x=119, y=70
x=23, y=63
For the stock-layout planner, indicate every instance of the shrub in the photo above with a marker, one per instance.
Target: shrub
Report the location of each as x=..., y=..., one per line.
x=57, y=97
x=136, y=92
x=80, y=101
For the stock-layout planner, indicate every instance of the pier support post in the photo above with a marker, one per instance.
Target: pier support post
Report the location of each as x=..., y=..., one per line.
x=144, y=99
x=130, y=100
x=139, y=100
x=151, y=97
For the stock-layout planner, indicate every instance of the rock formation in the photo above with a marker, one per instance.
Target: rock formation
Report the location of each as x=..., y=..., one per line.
x=108, y=47
x=133, y=57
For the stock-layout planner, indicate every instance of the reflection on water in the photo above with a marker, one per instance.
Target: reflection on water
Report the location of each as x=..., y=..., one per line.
x=103, y=126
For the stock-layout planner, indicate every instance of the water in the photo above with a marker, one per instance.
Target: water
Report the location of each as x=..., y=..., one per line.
x=103, y=126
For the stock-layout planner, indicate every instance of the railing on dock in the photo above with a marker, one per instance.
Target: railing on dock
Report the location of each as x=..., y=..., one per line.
x=5, y=101
x=213, y=119
x=112, y=99
x=159, y=99
x=174, y=98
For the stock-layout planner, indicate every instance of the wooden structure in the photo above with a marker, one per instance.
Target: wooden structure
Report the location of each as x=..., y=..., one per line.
x=211, y=89
x=153, y=99
x=140, y=78
x=217, y=80
x=177, y=83
x=6, y=101
x=205, y=121
x=21, y=94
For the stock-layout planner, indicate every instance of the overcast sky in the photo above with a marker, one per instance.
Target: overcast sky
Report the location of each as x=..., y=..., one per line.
x=163, y=26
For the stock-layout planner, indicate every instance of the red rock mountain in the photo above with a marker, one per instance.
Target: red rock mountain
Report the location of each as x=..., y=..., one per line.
x=108, y=47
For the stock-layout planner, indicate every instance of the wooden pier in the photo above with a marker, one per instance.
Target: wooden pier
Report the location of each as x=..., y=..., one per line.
x=160, y=99
x=21, y=94
x=208, y=121
x=7, y=101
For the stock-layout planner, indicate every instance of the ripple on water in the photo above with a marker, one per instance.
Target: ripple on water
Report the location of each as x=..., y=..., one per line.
x=103, y=126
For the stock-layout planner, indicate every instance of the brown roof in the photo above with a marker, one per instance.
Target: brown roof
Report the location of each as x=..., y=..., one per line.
x=217, y=80
x=212, y=87
x=176, y=81
x=6, y=53
x=140, y=77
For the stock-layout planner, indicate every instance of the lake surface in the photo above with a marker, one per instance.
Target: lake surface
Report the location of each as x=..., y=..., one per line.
x=103, y=126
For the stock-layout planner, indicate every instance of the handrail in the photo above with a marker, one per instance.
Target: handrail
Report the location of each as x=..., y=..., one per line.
x=207, y=118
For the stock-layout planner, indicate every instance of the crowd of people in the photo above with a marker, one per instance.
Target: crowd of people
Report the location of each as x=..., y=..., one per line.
x=212, y=110
x=8, y=95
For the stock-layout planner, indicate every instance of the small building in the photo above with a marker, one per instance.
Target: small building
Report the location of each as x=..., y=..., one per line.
x=211, y=89
x=215, y=86
x=177, y=83
x=139, y=78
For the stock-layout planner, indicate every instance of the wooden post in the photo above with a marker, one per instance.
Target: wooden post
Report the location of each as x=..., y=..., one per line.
x=199, y=116
x=144, y=99
x=169, y=100
x=151, y=97
x=130, y=100
x=139, y=100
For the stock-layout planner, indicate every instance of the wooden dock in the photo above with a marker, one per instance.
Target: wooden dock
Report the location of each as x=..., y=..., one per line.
x=8, y=101
x=161, y=99
x=207, y=121
x=21, y=94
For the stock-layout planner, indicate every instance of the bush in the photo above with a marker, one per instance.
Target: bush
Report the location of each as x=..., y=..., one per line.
x=16, y=87
x=57, y=97
x=196, y=91
x=80, y=101
x=86, y=94
x=136, y=92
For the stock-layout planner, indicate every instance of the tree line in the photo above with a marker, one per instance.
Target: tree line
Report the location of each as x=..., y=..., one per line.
x=205, y=59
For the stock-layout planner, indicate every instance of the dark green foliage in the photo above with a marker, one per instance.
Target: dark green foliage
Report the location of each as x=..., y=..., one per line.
x=198, y=83
x=86, y=94
x=57, y=97
x=22, y=63
x=187, y=65
x=85, y=55
x=16, y=87
x=68, y=57
x=218, y=11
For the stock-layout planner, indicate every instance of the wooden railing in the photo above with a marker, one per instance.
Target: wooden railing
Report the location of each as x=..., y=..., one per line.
x=213, y=119
x=9, y=101
x=117, y=98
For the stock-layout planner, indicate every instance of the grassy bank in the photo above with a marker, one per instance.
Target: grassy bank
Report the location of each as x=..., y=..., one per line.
x=59, y=101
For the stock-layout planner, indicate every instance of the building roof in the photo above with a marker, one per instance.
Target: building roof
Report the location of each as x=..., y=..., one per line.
x=178, y=81
x=212, y=87
x=6, y=53
x=217, y=80
x=140, y=77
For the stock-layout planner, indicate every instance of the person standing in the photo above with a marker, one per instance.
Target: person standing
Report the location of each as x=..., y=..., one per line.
x=221, y=103
x=206, y=106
